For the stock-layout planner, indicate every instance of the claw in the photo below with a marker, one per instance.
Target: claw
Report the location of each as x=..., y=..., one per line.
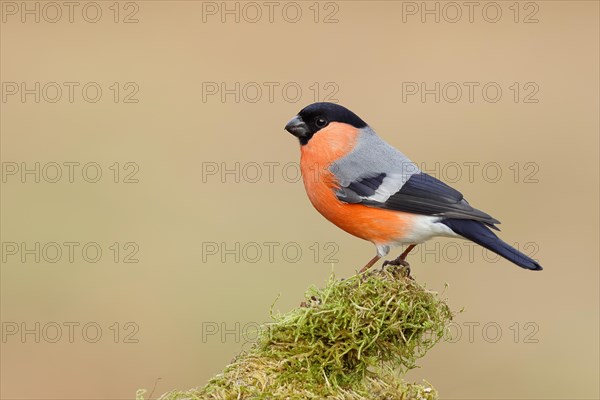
x=401, y=260
x=406, y=269
x=396, y=262
x=405, y=266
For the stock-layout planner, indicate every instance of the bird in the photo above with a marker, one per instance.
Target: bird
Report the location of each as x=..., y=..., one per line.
x=373, y=191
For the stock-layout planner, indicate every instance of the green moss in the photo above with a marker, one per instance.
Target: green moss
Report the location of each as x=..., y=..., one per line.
x=353, y=339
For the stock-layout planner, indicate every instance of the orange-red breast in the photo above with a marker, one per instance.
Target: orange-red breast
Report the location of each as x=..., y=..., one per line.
x=373, y=191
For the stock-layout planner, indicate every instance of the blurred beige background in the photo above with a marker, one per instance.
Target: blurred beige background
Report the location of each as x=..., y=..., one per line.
x=180, y=313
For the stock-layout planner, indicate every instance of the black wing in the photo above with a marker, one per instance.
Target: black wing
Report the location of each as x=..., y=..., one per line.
x=420, y=194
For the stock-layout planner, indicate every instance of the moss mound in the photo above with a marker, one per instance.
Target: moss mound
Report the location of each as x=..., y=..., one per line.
x=353, y=339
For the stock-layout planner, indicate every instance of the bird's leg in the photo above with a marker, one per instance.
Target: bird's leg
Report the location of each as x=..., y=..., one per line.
x=370, y=263
x=401, y=260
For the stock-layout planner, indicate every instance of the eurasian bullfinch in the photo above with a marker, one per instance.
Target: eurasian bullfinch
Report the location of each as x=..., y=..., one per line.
x=373, y=191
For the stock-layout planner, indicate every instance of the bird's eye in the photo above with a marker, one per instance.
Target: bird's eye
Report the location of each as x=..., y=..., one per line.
x=320, y=122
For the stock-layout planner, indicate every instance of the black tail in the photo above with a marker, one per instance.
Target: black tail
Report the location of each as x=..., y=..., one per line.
x=483, y=236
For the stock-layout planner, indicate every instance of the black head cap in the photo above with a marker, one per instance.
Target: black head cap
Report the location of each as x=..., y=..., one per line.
x=317, y=116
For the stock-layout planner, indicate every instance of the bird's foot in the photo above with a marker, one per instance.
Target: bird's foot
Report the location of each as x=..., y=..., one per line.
x=398, y=262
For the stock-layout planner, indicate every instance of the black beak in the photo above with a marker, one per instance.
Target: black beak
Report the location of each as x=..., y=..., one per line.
x=297, y=127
